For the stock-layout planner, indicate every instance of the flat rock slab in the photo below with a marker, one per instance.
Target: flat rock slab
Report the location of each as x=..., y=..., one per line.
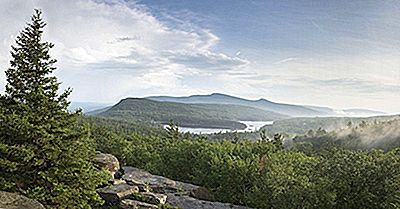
x=159, y=184
x=15, y=201
x=186, y=202
x=133, y=204
x=115, y=193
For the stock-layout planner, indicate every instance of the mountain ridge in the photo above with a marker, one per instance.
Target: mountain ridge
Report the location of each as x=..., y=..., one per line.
x=187, y=115
x=219, y=98
x=291, y=110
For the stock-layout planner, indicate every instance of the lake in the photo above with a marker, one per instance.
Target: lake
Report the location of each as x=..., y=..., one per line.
x=251, y=126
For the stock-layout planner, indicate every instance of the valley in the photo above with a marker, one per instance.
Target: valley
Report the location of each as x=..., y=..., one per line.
x=299, y=130
x=214, y=113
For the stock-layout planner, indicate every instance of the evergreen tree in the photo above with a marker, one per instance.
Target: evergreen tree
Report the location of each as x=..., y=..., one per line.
x=44, y=154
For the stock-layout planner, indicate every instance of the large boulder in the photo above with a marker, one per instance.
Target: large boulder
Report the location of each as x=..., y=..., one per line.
x=115, y=193
x=108, y=162
x=185, y=202
x=15, y=201
x=158, y=184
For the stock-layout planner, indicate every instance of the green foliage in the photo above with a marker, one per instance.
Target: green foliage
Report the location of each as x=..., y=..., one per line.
x=44, y=153
x=101, y=126
x=173, y=131
x=167, y=206
x=261, y=174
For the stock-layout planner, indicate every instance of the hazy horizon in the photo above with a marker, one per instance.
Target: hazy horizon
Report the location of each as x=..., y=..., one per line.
x=253, y=99
x=338, y=54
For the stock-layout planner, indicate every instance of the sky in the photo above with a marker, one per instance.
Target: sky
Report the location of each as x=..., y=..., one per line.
x=340, y=54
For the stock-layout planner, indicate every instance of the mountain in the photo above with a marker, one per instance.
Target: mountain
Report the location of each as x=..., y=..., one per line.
x=187, y=115
x=281, y=108
x=362, y=112
x=325, y=111
x=217, y=98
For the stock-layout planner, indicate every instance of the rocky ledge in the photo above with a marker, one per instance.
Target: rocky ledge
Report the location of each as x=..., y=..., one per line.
x=133, y=188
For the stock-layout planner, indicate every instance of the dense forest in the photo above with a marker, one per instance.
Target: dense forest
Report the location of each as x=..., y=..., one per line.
x=46, y=150
x=262, y=174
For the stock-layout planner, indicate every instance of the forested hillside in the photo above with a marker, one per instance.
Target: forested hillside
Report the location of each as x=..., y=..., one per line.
x=188, y=115
x=285, y=109
x=216, y=98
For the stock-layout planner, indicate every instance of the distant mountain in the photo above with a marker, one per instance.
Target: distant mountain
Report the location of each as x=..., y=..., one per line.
x=285, y=109
x=346, y=112
x=325, y=111
x=188, y=115
x=362, y=112
x=216, y=98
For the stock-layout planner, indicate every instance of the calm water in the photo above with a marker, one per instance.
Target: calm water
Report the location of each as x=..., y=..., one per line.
x=251, y=126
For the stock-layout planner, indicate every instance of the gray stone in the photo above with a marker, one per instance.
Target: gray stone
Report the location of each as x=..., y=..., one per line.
x=117, y=192
x=117, y=181
x=186, y=202
x=154, y=198
x=15, y=201
x=202, y=194
x=158, y=184
x=106, y=161
x=142, y=186
x=133, y=204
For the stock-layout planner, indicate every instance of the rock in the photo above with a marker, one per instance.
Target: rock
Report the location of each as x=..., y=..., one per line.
x=118, y=181
x=186, y=202
x=133, y=204
x=177, y=192
x=158, y=184
x=107, y=161
x=115, y=193
x=202, y=194
x=15, y=201
x=154, y=198
x=142, y=187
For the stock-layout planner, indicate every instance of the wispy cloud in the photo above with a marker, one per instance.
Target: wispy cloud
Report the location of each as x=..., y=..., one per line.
x=114, y=38
x=290, y=59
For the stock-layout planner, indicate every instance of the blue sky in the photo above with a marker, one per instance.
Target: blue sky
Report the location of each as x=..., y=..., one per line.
x=339, y=53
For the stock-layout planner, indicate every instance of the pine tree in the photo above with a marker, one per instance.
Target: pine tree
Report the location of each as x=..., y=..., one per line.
x=44, y=153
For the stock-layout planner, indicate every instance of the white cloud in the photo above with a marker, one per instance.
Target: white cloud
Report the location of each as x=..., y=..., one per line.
x=290, y=59
x=113, y=49
x=120, y=46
